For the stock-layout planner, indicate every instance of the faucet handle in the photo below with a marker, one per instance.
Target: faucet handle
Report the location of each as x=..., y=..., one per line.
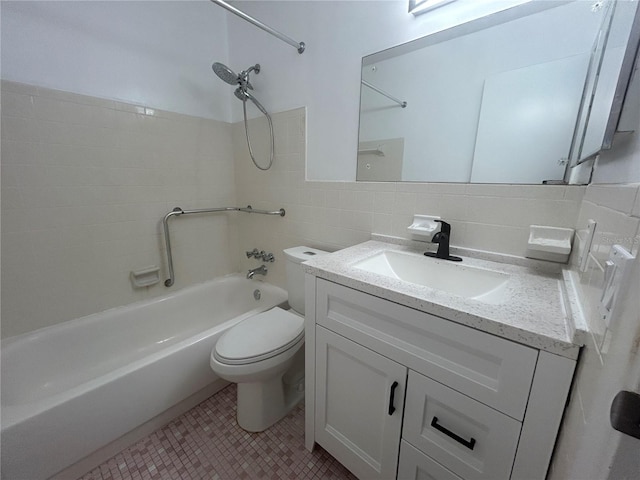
x=268, y=257
x=446, y=227
x=253, y=253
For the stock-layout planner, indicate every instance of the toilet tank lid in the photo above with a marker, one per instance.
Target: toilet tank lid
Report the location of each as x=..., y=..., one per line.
x=302, y=253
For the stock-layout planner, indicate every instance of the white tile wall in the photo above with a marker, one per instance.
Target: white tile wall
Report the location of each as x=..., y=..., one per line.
x=85, y=183
x=614, y=208
x=587, y=443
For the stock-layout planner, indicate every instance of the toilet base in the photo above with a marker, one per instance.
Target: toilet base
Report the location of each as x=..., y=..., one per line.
x=262, y=404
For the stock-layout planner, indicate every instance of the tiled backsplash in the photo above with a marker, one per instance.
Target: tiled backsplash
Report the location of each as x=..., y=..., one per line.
x=85, y=184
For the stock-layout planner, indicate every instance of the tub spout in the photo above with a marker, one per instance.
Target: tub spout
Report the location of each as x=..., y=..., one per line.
x=261, y=270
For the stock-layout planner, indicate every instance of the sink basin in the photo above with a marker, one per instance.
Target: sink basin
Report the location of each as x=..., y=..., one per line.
x=455, y=278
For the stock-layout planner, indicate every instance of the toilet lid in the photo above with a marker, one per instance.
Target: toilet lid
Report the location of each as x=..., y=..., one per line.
x=260, y=337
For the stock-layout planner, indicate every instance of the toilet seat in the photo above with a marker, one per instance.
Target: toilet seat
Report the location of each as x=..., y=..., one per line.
x=260, y=337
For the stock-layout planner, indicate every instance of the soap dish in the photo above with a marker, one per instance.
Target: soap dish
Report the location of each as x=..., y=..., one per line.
x=549, y=243
x=145, y=277
x=424, y=227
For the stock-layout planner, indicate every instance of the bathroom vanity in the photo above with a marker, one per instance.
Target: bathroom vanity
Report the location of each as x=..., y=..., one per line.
x=406, y=379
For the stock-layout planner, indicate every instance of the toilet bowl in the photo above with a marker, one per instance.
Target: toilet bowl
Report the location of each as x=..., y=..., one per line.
x=263, y=354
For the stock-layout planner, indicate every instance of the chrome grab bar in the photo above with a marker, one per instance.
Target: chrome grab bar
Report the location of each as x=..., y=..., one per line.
x=179, y=211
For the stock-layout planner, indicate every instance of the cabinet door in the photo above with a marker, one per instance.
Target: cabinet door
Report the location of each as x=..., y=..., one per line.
x=359, y=405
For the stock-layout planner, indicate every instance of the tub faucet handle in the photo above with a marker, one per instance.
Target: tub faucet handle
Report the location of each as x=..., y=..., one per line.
x=253, y=253
x=268, y=257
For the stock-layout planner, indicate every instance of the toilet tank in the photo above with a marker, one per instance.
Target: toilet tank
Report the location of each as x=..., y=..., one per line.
x=295, y=273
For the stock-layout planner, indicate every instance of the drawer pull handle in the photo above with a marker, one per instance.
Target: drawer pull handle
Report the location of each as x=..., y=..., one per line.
x=392, y=409
x=467, y=443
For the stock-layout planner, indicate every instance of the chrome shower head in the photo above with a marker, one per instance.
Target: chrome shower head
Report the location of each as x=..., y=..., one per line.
x=225, y=73
x=229, y=76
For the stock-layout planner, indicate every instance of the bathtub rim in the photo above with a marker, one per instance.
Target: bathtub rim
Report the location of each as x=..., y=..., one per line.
x=93, y=317
x=14, y=414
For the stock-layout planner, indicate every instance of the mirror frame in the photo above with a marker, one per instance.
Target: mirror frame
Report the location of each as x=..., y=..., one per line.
x=629, y=63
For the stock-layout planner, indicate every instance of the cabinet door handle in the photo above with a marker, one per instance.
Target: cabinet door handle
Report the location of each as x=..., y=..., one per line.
x=467, y=443
x=392, y=409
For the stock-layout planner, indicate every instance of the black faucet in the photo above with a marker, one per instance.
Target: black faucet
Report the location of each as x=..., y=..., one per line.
x=442, y=239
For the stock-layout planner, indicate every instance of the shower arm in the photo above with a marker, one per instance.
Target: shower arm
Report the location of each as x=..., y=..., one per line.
x=300, y=46
x=176, y=212
x=402, y=103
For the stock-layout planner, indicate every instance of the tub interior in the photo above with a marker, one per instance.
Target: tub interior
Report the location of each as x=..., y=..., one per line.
x=55, y=359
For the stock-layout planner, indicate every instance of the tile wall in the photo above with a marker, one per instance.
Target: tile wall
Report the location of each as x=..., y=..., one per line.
x=333, y=215
x=616, y=209
x=587, y=442
x=85, y=183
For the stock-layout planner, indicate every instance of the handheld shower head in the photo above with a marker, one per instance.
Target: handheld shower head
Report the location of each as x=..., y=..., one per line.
x=243, y=95
x=225, y=73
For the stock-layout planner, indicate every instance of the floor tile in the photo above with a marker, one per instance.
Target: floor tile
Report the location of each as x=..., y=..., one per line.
x=207, y=443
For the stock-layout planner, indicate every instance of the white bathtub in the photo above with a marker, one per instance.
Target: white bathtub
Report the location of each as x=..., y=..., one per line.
x=70, y=389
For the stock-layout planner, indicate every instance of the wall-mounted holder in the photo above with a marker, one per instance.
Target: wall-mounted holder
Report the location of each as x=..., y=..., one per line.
x=615, y=277
x=424, y=227
x=145, y=277
x=586, y=247
x=549, y=243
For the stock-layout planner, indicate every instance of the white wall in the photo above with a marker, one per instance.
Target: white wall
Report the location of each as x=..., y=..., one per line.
x=622, y=164
x=326, y=77
x=148, y=52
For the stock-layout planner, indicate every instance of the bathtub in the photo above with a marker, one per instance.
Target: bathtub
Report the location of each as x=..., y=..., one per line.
x=70, y=389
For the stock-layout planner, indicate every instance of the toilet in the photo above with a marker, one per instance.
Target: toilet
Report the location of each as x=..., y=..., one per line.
x=263, y=354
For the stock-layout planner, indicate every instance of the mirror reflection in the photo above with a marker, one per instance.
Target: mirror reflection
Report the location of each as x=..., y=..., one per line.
x=520, y=96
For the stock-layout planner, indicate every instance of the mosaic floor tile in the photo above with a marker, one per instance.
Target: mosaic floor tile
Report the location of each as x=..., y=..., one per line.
x=207, y=443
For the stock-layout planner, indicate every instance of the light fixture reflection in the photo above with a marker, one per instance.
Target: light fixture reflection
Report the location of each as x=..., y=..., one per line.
x=418, y=7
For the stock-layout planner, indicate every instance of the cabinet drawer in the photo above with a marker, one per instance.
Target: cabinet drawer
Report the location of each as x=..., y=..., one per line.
x=470, y=439
x=493, y=370
x=415, y=465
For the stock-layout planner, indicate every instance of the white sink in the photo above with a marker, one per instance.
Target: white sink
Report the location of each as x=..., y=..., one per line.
x=455, y=278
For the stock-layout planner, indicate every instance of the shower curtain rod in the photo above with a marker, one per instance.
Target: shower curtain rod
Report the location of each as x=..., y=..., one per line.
x=402, y=103
x=176, y=212
x=300, y=46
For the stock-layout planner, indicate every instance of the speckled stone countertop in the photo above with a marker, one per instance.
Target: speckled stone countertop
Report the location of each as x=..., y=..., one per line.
x=534, y=311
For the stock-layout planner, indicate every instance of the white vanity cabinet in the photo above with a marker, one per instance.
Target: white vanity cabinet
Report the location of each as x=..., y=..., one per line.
x=394, y=392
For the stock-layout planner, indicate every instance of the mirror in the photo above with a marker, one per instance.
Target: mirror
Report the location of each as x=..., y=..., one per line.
x=520, y=96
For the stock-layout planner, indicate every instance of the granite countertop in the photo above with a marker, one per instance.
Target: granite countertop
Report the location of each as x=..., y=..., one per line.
x=535, y=312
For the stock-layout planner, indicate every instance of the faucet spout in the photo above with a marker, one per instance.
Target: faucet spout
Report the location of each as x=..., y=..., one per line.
x=442, y=239
x=261, y=270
